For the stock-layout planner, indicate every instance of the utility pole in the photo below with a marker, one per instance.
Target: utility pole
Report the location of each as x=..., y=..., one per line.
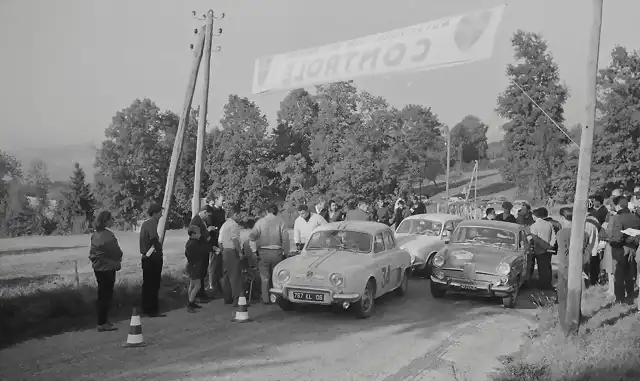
x=179, y=140
x=202, y=121
x=575, y=281
x=448, y=132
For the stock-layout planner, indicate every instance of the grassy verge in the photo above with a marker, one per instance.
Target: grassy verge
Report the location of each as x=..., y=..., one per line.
x=55, y=305
x=606, y=349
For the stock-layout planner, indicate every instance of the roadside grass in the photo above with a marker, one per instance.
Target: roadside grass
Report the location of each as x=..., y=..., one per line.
x=607, y=348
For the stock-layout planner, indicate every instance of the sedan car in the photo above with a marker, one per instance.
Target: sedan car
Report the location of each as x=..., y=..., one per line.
x=422, y=235
x=485, y=257
x=347, y=263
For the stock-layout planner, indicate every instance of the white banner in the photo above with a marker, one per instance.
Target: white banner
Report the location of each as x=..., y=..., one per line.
x=440, y=43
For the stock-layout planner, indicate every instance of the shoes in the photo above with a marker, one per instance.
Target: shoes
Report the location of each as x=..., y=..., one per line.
x=192, y=307
x=202, y=300
x=196, y=305
x=107, y=327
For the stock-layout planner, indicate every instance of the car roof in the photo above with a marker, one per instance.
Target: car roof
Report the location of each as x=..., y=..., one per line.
x=369, y=227
x=440, y=217
x=491, y=224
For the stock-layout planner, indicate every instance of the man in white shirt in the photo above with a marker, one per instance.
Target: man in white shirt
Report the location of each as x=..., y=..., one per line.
x=229, y=242
x=304, y=225
x=542, y=237
x=592, y=268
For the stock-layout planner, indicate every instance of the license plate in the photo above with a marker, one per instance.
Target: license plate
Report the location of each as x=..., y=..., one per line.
x=468, y=287
x=308, y=296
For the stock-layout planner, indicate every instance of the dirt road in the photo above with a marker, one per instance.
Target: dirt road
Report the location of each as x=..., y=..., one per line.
x=414, y=337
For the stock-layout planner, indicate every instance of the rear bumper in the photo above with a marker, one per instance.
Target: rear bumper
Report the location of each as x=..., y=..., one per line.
x=463, y=285
x=330, y=297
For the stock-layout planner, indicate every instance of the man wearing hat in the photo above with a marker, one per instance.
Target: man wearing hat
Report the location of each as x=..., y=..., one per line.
x=506, y=215
x=151, y=250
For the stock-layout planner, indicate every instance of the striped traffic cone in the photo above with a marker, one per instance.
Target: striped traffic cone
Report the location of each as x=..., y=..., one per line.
x=134, y=339
x=242, y=313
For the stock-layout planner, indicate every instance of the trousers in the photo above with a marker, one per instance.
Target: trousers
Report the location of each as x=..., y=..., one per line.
x=106, y=281
x=269, y=258
x=204, y=270
x=151, y=278
x=232, y=285
x=215, y=271
x=543, y=260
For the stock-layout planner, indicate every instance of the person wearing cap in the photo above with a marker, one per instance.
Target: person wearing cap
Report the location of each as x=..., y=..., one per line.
x=195, y=250
x=269, y=240
x=229, y=242
x=151, y=250
x=506, y=215
x=205, y=241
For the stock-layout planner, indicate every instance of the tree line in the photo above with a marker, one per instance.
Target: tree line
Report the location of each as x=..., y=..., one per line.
x=337, y=142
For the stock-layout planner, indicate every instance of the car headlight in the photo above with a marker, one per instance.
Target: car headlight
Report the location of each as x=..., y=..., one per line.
x=336, y=279
x=503, y=269
x=284, y=276
x=438, y=261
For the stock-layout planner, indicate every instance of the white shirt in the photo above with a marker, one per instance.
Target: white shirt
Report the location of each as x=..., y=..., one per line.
x=229, y=237
x=302, y=229
x=592, y=233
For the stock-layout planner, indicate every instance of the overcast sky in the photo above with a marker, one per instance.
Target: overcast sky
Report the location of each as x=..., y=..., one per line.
x=68, y=65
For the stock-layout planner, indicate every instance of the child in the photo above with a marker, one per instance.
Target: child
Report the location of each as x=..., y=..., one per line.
x=194, y=252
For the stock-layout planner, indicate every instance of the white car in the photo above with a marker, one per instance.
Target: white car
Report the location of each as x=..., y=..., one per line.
x=423, y=235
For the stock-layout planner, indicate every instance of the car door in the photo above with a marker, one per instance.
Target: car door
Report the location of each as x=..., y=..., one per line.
x=395, y=258
x=383, y=264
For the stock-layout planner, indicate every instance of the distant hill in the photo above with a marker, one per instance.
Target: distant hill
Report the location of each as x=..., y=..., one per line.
x=60, y=159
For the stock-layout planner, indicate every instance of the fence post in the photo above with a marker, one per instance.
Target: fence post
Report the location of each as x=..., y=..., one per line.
x=75, y=264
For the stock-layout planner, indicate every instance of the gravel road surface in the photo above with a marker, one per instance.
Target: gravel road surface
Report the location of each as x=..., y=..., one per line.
x=410, y=338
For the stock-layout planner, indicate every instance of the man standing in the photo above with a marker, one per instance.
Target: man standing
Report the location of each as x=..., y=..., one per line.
x=229, y=242
x=205, y=242
x=543, y=239
x=214, y=268
x=599, y=211
x=269, y=240
x=383, y=212
x=490, y=214
x=359, y=214
x=334, y=213
x=506, y=215
x=304, y=225
x=151, y=250
x=592, y=269
x=623, y=248
x=322, y=210
x=524, y=215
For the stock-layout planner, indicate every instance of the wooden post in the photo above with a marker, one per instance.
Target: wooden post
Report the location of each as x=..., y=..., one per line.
x=202, y=121
x=182, y=126
x=575, y=282
x=448, y=132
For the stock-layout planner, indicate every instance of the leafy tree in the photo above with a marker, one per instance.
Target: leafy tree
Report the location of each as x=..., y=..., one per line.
x=534, y=146
x=469, y=140
x=615, y=153
x=10, y=169
x=78, y=203
x=39, y=182
x=19, y=217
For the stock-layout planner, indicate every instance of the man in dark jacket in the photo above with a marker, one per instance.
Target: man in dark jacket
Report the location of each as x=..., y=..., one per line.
x=525, y=216
x=359, y=214
x=383, y=212
x=152, y=259
x=506, y=215
x=623, y=248
x=214, y=264
x=205, y=241
x=599, y=211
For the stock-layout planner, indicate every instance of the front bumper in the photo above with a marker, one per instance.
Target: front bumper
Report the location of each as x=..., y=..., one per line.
x=474, y=286
x=330, y=297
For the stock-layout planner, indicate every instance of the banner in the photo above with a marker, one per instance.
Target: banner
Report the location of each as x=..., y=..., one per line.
x=445, y=42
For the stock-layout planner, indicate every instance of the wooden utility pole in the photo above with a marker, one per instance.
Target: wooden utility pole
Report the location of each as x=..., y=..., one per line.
x=202, y=121
x=179, y=140
x=448, y=132
x=576, y=247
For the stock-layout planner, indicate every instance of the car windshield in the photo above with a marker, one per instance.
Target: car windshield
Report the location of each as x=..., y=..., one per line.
x=485, y=235
x=341, y=240
x=420, y=227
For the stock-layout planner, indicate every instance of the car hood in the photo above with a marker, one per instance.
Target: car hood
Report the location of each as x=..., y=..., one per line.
x=485, y=258
x=323, y=261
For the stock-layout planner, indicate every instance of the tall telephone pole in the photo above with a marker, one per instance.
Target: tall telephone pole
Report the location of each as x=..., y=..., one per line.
x=448, y=132
x=575, y=282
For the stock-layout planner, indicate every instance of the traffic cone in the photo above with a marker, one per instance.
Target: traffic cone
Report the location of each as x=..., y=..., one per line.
x=134, y=339
x=242, y=313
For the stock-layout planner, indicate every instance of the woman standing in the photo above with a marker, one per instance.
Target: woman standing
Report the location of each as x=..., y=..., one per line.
x=106, y=258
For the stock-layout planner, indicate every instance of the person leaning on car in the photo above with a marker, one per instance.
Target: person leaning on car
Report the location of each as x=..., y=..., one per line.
x=269, y=240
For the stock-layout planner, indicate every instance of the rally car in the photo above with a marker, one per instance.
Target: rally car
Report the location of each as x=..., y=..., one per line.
x=348, y=263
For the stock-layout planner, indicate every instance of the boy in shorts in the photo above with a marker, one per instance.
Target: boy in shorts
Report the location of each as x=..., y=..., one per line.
x=194, y=251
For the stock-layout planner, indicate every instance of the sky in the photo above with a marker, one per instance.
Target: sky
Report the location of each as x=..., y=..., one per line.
x=67, y=66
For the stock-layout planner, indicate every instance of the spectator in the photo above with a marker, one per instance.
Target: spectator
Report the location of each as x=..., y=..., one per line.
x=543, y=240
x=152, y=260
x=359, y=214
x=214, y=265
x=322, y=210
x=204, y=237
x=106, y=258
x=229, y=242
x=335, y=213
x=304, y=225
x=506, y=215
x=195, y=250
x=398, y=215
x=489, y=214
x=525, y=216
x=419, y=207
x=384, y=216
x=592, y=268
x=599, y=211
x=623, y=248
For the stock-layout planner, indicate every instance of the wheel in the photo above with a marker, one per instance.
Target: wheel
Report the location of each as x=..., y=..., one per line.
x=365, y=306
x=285, y=305
x=511, y=300
x=437, y=291
x=404, y=285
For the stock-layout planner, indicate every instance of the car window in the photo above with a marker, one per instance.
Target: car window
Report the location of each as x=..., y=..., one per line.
x=378, y=245
x=420, y=226
x=389, y=242
x=483, y=235
x=340, y=239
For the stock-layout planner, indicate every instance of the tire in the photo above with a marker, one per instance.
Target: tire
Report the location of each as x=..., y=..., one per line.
x=365, y=307
x=511, y=300
x=285, y=305
x=437, y=291
x=404, y=285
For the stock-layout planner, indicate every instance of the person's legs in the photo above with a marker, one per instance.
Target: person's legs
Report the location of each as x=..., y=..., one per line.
x=157, y=280
x=561, y=290
x=147, y=275
x=544, y=270
x=594, y=270
x=202, y=295
x=226, y=282
x=106, y=282
x=620, y=273
x=215, y=274
x=268, y=261
x=233, y=272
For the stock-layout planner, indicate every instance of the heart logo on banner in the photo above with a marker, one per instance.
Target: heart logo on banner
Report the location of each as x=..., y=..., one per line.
x=470, y=28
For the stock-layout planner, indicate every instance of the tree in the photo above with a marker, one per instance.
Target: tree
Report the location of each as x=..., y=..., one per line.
x=534, y=146
x=39, y=182
x=77, y=207
x=469, y=140
x=10, y=169
x=615, y=153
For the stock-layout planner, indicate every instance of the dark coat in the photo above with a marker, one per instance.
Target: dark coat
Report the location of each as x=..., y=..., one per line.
x=105, y=253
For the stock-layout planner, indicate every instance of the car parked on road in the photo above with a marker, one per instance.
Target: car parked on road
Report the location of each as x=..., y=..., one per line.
x=484, y=257
x=423, y=235
x=348, y=263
